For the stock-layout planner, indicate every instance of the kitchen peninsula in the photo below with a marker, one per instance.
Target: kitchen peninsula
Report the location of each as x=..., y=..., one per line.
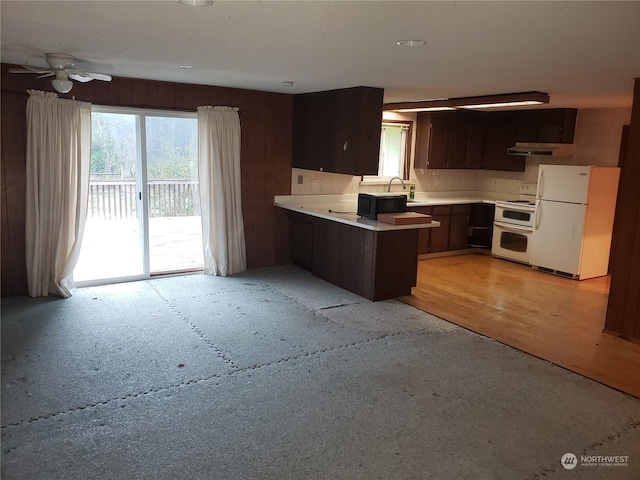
x=373, y=259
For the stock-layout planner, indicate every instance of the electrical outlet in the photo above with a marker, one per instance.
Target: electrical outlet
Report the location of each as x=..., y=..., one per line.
x=300, y=179
x=495, y=183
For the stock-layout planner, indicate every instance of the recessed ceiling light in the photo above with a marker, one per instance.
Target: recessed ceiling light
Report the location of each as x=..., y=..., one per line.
x=287, y=84
x=411, y=43
x=196, y=3
x=188, y=67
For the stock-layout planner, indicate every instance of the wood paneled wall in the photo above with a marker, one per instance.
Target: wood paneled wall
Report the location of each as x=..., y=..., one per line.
x=623, y=312
x=265, y=120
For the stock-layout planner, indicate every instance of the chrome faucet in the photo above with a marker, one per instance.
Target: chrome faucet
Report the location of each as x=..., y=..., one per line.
x=404, y=187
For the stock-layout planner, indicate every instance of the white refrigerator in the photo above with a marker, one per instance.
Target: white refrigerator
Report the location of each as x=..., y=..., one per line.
x=575, y=206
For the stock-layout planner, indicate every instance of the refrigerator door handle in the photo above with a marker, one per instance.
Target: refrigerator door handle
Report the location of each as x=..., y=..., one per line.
x=538, y=214
x=540, y=183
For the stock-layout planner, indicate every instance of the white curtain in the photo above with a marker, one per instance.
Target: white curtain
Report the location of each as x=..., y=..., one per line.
x=219, y=178
x=58, y=160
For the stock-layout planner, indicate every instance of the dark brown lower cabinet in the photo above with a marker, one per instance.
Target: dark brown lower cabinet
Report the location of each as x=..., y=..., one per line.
x=458, y=227
x=424, y=234
x=439, y=241
x=300, y=239
x=452, y=234
x=373, y=264
x=481, y=225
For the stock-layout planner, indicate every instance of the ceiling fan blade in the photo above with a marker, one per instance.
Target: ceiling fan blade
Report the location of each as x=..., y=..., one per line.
x=75, y=71
x=88, y=75
x=46, y=74
x=79, y=78
x=27, y=69
x=100, y=76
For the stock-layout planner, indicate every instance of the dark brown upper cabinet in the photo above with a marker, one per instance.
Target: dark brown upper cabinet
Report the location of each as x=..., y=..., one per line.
x=479, y=140
x=448, y=140
x=498, y=138
x=553, y=125
x=338, y=130
x=475, y=145
x=437, y=156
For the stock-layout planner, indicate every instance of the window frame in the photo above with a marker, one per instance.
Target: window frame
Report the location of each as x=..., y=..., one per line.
x=406, y=168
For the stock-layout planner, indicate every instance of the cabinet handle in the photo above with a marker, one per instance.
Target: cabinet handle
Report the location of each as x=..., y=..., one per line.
x=345, y=146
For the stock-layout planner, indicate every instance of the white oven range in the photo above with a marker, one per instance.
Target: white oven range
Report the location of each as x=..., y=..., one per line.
x=513, y=227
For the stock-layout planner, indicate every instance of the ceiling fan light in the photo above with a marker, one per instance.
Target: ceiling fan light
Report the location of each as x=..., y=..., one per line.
x=62, y=86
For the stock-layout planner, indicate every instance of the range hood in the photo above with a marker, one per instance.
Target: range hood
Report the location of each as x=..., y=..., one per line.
x=542, y=149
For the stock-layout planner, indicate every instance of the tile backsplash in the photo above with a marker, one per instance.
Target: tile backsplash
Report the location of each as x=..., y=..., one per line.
x=596, y=142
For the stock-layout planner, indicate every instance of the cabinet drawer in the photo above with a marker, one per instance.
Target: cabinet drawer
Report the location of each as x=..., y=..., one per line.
x=442, y=210
x=459, y=209
x=423, y=210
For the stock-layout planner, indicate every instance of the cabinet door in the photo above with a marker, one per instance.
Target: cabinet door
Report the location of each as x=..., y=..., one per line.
x=424, y=234
x=338, y=131
x=526, y=132
x=344, y=149
x=553, y=125
x=498, y=139
x=439, y=236
x=458, y=227
x=313, y=133
x=457, y=154
x=475, y=146
x=366, y=126
x=423, y=125
x=550, y=133
x=300, y=239
x=439, y=241
x=438, y=145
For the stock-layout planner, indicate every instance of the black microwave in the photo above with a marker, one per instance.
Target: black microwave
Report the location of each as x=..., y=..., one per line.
x=371, y=204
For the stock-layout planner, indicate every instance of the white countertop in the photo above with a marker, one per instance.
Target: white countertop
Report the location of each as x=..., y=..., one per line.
x=342, y=208
x=339, y=208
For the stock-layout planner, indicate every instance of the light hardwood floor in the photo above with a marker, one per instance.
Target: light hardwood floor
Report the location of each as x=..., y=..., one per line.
x=554, y=318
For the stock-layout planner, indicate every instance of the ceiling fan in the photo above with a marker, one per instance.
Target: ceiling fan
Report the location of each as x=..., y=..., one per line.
x=62, y=66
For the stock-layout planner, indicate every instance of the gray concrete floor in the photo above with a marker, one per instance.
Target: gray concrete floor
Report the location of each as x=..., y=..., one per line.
x=274, y=374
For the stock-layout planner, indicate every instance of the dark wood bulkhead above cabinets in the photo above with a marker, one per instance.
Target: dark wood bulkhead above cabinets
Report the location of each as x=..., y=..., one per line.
x=338, y=130
x=479, y=140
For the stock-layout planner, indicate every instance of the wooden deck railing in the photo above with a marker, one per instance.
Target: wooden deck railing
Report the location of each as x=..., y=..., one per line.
x=167, y=198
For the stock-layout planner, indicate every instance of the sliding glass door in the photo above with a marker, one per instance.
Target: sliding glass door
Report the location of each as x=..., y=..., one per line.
x=175, y=229
x=143, y=214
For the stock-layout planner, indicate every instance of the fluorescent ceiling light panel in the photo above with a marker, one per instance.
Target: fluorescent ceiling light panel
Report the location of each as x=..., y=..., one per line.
x=503, y=104
x=485, y=101
x=425, y=109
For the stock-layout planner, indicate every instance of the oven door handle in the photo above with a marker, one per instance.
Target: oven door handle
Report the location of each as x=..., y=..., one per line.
x=515, y=228
x=514, y=207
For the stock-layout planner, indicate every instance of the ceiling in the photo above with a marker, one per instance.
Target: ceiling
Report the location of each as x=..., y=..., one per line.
x=584, y=54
